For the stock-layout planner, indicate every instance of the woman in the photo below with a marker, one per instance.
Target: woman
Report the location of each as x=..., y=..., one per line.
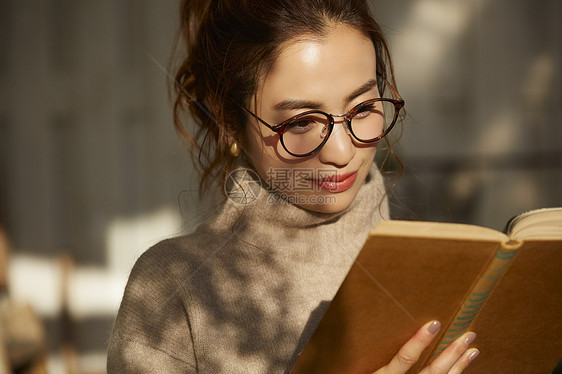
x=267, y=81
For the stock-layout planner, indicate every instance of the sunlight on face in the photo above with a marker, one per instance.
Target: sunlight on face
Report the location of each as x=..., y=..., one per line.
x=332, y=74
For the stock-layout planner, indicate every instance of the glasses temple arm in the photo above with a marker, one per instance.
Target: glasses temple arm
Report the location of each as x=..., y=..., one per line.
x=259, y=119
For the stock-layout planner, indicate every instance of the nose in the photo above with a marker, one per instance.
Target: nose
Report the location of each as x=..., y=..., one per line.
x=339, y=150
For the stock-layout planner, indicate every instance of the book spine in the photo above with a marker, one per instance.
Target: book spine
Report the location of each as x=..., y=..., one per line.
x=478, y=296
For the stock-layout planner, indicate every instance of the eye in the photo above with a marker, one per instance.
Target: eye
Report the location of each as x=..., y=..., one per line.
x=364, y=111
x=301, y=126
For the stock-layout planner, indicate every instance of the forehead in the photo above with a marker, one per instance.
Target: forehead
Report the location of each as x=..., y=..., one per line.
x=326, y=68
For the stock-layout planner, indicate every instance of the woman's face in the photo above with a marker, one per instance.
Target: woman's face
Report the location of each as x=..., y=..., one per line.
x=331, y=74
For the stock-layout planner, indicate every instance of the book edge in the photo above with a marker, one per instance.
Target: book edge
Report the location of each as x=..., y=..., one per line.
x=437, y=230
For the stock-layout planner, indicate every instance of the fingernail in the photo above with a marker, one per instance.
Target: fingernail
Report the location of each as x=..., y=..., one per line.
x=470, y=338
x=473, y=355
x=434, y=327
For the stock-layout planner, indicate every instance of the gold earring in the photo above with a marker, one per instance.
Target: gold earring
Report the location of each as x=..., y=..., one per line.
x=234, y=149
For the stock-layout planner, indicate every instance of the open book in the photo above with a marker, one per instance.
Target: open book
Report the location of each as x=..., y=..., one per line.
x=505, y=287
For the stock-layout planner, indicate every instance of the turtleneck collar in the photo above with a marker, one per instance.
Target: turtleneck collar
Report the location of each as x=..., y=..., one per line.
x=263, y=219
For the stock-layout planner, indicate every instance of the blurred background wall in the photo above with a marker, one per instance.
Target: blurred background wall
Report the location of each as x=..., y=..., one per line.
x=482, y=86
x=91, y=172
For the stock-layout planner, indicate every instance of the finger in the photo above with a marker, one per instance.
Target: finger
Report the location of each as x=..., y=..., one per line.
x=465, y=360
x=455, y=353
x=411, y=351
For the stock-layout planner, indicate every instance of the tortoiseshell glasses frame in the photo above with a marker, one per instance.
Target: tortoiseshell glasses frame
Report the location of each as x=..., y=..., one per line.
x=281, y=128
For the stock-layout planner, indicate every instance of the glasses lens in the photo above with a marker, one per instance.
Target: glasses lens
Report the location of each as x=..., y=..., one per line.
x=305, y=133
x=372, y=120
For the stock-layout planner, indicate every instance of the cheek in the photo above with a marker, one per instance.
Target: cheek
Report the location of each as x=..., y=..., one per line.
x=264, y=149
x=255, y=144
x=252, y=143
x=261, y=150
x=366, y=151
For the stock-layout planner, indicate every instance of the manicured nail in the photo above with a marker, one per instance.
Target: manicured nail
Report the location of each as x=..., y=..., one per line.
x=469, y=338
x=434, y=327
x=473, y=355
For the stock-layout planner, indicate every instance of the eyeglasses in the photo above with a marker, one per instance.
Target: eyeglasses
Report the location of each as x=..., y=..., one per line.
x=306, y=133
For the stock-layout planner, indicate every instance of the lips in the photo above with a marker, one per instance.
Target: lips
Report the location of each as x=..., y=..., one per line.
x=338, y=182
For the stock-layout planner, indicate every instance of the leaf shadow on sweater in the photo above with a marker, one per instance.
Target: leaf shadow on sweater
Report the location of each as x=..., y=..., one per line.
x=215, y=301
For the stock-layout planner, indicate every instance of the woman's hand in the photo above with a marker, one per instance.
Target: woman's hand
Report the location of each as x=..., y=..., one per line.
x=452, y=360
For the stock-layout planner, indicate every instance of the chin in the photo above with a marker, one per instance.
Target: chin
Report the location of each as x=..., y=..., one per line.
x=331, y=203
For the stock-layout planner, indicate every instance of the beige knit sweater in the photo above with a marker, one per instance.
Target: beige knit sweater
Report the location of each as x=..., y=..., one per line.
x=244, y=292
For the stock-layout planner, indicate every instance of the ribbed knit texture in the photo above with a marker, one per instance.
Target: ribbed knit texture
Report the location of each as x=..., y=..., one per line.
x=244, y=292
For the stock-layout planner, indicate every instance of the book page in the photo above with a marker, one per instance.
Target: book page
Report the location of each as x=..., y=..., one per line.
x=542, y=224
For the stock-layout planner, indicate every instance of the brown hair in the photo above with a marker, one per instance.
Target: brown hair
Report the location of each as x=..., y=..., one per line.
x=230, y=44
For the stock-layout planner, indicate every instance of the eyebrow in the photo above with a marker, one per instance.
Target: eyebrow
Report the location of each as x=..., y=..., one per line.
x=361, y=90
x=294, y=104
